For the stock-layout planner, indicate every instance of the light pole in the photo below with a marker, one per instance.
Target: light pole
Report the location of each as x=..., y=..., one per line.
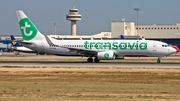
x=137, y=9
x=55, y=28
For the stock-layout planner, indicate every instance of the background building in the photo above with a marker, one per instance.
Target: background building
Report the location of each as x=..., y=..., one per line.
x=148, y=31
x=73, y=16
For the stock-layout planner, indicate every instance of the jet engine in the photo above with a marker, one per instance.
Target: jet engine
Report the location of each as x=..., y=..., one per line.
x=106, y=55
x=9, y=47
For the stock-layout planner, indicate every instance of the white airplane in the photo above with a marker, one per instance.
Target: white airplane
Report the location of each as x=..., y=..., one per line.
x=100, y=49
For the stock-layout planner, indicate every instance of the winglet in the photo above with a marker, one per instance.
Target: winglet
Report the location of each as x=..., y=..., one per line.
x=92, y=38
x=49, y=41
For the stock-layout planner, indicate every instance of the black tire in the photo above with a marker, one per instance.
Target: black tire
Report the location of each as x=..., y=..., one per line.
x=96, y=60
x=158, y=61
x=89, y=60
x=41, y=53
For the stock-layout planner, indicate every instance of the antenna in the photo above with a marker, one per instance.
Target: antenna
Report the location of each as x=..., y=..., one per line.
x=73, y=7
x=55, y=28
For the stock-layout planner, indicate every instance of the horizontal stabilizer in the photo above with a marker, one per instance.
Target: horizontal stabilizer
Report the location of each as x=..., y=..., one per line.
x=21, y=42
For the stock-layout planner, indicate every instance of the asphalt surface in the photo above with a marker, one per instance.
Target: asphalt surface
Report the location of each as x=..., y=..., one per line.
x=90, y=65
x=12, y=60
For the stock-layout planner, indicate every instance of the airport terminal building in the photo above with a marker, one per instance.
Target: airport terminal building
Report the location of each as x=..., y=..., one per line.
x=148, y=31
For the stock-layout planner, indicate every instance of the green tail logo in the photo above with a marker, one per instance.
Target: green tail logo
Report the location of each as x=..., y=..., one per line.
x=28, y=30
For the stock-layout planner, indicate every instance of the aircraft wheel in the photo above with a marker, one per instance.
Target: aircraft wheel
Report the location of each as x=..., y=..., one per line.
x=96, y=60
x=158, y=61
x=89, y=60
x=41, y=53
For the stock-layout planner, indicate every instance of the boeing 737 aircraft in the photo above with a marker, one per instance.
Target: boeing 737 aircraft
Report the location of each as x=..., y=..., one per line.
x=99, y=49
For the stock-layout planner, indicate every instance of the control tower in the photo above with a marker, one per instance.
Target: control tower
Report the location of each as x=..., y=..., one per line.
x=73, y=16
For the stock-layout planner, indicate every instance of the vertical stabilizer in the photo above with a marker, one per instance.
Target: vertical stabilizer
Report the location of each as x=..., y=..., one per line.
x=14, y=43
x=122, y=37
x=28, y=30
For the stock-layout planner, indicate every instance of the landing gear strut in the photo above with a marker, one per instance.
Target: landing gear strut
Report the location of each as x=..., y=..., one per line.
x=96, y=59
x=158, y=60
x=90, y=60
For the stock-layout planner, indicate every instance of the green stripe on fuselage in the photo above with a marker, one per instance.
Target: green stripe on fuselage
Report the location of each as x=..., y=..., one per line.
x=115, y=45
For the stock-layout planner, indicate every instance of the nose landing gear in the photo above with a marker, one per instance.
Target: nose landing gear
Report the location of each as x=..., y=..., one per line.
x=158, y=60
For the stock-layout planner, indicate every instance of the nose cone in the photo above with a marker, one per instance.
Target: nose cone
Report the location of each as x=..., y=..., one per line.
x=176, y=48
x=172, y=50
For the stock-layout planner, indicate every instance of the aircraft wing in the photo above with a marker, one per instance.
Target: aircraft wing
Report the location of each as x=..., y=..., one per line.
x=82, y=51
x=86, y=52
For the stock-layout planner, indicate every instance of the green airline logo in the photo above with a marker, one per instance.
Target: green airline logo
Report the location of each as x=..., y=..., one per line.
x=106, y=55
x=28, y=30
x=115, y=45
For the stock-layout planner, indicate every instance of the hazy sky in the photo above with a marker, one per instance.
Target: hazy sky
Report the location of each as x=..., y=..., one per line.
x=96, y=14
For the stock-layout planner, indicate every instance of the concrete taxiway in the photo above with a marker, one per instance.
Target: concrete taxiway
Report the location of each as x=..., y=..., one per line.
x=90, y=65
x=32, y=60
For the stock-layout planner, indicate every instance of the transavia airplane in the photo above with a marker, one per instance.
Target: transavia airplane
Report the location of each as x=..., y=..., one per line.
x=100, y=49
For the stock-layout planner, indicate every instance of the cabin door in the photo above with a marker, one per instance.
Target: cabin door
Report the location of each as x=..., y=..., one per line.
x=154, y=46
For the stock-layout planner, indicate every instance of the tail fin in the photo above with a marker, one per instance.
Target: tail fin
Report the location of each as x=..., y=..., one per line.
x=14, y=43
x=122, y=37
x=143, y=38
x=28, y=30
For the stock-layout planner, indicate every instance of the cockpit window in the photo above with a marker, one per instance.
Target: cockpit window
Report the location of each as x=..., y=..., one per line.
x=165, y=45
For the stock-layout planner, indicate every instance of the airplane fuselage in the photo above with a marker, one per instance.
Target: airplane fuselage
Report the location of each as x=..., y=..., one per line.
x=122, y=48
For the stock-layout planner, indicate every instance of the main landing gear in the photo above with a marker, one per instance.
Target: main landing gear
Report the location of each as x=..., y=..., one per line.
x=158, y=61
x=96, y=60
x=91, y=59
